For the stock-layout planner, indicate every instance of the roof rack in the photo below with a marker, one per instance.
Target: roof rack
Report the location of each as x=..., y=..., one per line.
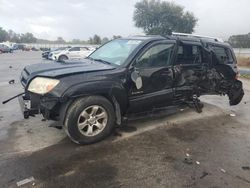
x=196, y=36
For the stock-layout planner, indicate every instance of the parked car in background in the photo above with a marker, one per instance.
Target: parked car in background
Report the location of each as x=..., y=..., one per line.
x=45, y=49
x=14, y=47
x=34, y=49
x=5, y=49
x=20, y=46
x=45, y=54
x=127, y=76
x=48, y=54
x=27, y=48
x=72, y=53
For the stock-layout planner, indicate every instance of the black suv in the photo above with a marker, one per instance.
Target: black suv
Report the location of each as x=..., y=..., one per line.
x=125, y=76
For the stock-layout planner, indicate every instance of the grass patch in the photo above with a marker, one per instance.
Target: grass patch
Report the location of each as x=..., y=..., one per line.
x=245, y=76
x=243, y=61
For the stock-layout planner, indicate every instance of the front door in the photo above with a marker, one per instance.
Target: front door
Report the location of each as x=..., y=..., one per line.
x=152, y=77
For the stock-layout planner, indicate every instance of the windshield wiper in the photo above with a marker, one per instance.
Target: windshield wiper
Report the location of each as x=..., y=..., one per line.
x=101, y=60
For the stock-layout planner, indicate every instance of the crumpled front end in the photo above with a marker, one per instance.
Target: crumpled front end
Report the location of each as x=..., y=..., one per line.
x=33, y=103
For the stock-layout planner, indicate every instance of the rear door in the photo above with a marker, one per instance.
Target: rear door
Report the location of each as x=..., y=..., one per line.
x=190, y=67
x=152, y=77
x=74, y=53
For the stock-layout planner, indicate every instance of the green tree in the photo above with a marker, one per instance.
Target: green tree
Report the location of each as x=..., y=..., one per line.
x=13, y=37
x=76, y=41
x=162, y=18
x=90, y=41
x=97, y=39
x=60, y=40
x=3, y=35
x=116, y=36
x=27, y=38
x=104, y=40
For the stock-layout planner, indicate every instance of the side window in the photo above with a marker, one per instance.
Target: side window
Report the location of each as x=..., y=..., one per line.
x=74, y=49
x=223, y=55
x=189, y=54
x=157, y=56
x=84, y=49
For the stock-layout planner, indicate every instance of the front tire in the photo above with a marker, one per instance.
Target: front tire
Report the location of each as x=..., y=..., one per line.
x=62, y=58
x=89, y=120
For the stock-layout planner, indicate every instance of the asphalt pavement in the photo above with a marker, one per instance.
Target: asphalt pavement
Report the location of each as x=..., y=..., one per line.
x=171, y=148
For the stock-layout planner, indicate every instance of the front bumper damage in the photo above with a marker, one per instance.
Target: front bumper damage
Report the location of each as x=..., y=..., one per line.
x=32, y=104
x=26, y=108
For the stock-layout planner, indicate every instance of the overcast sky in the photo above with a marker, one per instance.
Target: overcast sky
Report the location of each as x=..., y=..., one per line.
x=81, y=19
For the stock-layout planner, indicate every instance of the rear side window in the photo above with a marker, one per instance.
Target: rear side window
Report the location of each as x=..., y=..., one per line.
x=222, y=55
x=156, y=56
x=84, y=49
x=189, y=54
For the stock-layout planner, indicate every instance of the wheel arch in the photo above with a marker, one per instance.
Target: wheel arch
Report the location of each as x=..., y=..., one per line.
x=61, y=55
x=115, y=94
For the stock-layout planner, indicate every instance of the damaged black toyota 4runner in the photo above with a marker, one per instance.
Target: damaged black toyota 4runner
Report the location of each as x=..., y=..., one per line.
x=125, y=76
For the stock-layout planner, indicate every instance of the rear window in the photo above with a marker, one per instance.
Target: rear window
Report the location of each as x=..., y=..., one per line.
x=223, y=55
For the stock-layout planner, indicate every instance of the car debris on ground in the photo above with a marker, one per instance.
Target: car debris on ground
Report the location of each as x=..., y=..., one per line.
x=204, y=174
x=197, y=162
x=11, y=81
x=223, y=170
x=25, y=181
x=246, y=167
x=232, y=114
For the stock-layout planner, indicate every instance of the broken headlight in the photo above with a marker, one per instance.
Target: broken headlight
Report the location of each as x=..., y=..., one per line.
x=41, y=85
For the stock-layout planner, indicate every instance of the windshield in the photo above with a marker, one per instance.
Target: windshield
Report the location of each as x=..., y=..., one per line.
x=116, y=51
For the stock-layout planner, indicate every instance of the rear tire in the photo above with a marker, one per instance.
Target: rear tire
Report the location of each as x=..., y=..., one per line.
x=89, y=120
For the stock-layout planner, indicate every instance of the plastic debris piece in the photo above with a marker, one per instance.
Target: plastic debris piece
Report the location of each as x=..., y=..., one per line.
x=223, y=170
x=25, y=181
x=204, y=174
x=232, y=114
x=246, y=167
x=188, y=155
x=11, y=81
x=197, y=162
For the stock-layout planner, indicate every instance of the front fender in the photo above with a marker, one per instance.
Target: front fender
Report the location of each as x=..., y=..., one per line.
x=105, y=88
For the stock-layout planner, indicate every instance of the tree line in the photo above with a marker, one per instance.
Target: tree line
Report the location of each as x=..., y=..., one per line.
x=16, y=37
x=11, y=36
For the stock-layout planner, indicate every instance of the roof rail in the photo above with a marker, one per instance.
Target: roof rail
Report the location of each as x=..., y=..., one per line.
x=196, y=36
